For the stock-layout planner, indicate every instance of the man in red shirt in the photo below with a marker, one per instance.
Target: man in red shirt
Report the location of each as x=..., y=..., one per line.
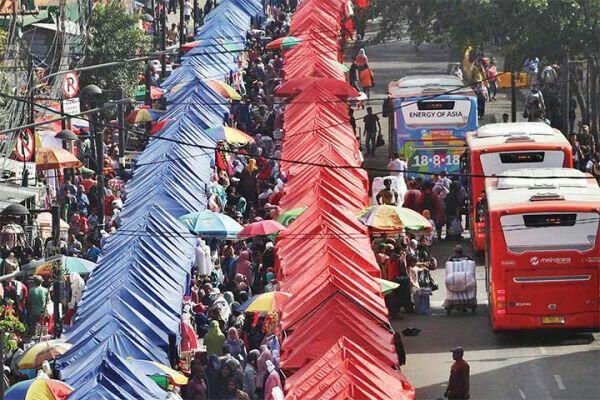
x=458, y=384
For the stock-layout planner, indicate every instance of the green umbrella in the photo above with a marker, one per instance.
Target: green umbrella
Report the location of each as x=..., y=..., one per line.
x=289, y=216
x=387, y=286
x=340, y=66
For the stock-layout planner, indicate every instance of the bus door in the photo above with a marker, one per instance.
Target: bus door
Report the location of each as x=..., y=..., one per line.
x=549, y=279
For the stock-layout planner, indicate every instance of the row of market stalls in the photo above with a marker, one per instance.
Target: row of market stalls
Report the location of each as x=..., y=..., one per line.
x=132, y=305
x=337, y=339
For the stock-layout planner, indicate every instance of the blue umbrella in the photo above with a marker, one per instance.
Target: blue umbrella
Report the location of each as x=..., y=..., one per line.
x=210, y=224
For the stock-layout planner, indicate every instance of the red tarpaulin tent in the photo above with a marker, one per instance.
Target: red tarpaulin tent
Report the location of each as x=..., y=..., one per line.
x=347, y=371
x=338, y=317
x=309, y=301
x=295, y=86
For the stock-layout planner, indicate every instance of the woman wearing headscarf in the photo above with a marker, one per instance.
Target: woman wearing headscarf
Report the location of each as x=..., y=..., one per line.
x=454, y=203
x=247, y=184
x=261, y=375
x=429, y=200
x=214, y=339
x=238, y=350
x=213, y=371
x=273, y=380
x=244, y=266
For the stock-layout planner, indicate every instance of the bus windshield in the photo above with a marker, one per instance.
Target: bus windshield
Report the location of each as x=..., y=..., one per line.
x=496, y=163
x=550, y=231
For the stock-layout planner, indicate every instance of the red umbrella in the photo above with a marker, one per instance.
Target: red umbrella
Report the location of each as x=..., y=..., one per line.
x=261, y=228
x=190, y=45
x=156, y=92
x=159, y=125
x=297, y=85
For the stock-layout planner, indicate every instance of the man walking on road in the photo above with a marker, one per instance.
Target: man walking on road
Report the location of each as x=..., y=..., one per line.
x=397, y=166
x=458, y=384
x=372, y=126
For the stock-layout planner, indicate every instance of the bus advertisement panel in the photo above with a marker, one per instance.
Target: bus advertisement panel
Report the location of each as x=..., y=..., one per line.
x=430, y=133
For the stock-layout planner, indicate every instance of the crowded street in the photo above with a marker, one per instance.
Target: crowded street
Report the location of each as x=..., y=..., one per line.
x=298, y=199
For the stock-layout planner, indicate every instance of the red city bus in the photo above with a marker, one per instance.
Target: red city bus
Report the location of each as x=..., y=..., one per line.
x=543, y=250
x=495, y=148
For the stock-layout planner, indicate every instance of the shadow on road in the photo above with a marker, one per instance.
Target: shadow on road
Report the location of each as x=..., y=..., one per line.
x=566, y=376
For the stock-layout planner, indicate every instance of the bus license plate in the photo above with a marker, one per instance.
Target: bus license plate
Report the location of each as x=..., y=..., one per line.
x=553, y=320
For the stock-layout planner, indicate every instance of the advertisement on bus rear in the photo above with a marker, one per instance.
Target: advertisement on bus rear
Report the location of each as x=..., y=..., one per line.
x=431, y=132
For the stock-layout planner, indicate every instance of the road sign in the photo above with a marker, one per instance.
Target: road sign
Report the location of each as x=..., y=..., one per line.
x=25, y=145
x=70, y=85
x=72, y=106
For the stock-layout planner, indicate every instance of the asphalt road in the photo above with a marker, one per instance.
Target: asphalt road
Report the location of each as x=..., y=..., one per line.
x=538, y=365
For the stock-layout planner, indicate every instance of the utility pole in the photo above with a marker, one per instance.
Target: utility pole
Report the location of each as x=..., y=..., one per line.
x=154, y=26
x=122, y=131
x=513, y=97
x=98, y=139
x=195, y=16
x=566, y=97
x=163, y=42
x=181, y=26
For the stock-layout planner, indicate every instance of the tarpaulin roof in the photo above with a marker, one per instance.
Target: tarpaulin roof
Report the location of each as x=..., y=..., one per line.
x=364, y=294
x=347, y=371
x=346, y=196
x=132, y=302
x=295, y=86
x=338, y=317
x=117, y=379
x=321, y=231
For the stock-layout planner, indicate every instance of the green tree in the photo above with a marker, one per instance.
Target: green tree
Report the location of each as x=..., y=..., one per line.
x=552, y=30
x=9, y=325
x=115, y=36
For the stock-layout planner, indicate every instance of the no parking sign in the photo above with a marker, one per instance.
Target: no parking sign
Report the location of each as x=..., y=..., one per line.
x=25, y=145
x=70, y=86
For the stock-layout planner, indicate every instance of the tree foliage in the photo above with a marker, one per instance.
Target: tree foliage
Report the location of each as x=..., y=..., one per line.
x=525, y=28
x=9, y=325
x=115, y=36
x=552, y=30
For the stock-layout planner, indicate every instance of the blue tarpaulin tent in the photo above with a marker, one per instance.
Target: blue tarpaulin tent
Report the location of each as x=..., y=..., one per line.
x=132, y=303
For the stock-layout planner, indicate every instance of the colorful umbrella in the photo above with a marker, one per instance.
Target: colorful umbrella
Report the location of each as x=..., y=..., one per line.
x=285, y=42
x=261, y=228
x=230, y=135
x=265, y=302
x=143, y=115
x=287, y=217
x=71, y=264
x=38, y=389
x=156, y=93
x=387, y=286
x=391, y=218
x=209, y=224
x=224, y=89
x=55, y=158
x=155, y=369
x=190, y=45
x=43, y=351
x=159, y=125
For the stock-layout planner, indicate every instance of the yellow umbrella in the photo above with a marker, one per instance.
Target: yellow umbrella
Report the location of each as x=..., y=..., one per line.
x=224, y=89
x=153, y=368
x=43, y=351
x=265, y=302
x=392, y=219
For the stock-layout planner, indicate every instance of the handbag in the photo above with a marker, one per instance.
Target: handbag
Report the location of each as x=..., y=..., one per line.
x=427, y=281
x=379, y=142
